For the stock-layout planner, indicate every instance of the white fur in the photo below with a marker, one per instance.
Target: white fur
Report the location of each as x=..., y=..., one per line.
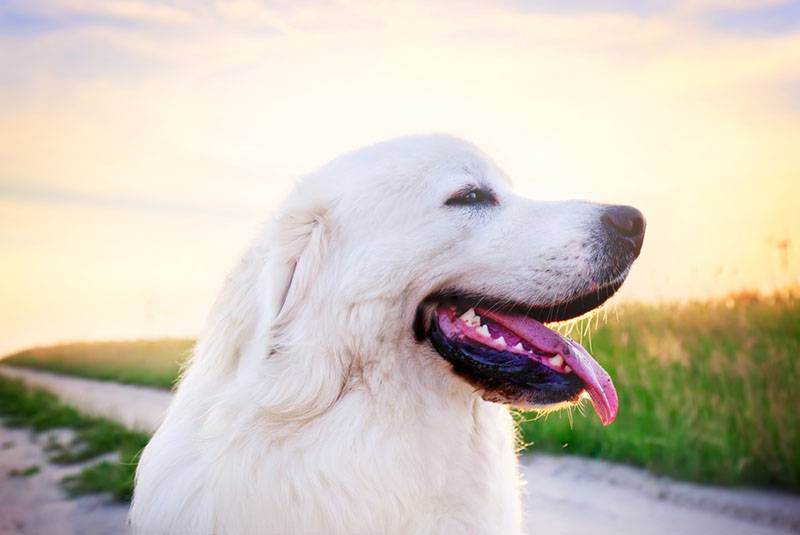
x=309, y=407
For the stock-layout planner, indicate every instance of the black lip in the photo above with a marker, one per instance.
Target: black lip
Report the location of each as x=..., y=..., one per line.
x=506, y=376
x=562, y=311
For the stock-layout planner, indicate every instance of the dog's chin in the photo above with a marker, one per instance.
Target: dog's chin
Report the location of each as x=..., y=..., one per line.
x=506, y=352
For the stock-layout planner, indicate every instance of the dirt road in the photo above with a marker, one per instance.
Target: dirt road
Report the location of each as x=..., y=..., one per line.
x=36, y=505
x=565, y=495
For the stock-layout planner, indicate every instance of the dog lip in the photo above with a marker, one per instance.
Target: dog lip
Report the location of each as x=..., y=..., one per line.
x=543, y=313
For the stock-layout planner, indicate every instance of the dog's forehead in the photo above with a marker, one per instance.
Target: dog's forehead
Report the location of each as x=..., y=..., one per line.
x=454, y=169
x=401, y=169
x=418, y=161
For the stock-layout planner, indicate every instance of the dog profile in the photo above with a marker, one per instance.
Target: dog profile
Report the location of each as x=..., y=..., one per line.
x=355, y=371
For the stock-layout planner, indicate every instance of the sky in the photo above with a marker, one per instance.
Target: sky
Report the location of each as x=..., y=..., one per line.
x=143, y=143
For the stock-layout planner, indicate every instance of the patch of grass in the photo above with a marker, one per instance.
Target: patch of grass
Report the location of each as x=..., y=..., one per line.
x=141, y=362
x=708, y=392
x=25, y=472
x=41, y=411
x=105, y=476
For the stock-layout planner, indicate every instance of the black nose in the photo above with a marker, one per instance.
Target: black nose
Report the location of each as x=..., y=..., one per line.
x=625, y=224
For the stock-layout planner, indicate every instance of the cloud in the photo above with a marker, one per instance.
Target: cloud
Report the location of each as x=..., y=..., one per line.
x=49, y=195
x=777, y=18
x=19, y=23
x=34, y=18
x=572, y=7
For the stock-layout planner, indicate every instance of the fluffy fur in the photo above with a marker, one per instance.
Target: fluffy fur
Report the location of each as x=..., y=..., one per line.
x=309, y=407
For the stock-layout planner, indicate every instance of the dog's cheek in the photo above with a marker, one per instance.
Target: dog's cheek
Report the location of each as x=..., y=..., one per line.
x=366, y=325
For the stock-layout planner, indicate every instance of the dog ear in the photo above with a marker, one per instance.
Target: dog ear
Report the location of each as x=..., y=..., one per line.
x=261, y=295
x=297, y=378
x=299, y=239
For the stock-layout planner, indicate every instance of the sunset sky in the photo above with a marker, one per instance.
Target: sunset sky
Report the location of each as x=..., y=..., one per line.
x=142, y=143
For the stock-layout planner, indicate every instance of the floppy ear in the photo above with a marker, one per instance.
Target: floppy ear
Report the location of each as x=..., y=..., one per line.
x=261, y=295
x=300, y=241
x=254, y=333
x=301, y=378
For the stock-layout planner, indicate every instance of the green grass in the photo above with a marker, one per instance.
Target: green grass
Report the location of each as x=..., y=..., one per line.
x=104, y=476
x=31, y=470
x=708, y=390
x=140, y=362
x=41, y=411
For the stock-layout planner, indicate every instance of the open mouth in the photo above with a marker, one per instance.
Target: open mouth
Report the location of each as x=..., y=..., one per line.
x=508, y=352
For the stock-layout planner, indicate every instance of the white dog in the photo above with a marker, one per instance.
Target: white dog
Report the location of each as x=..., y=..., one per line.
x=354, y=370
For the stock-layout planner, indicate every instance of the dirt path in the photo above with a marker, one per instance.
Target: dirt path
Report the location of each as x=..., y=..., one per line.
x=136, y=407
x=36, y=505
x=565, y=495
x=573, y=495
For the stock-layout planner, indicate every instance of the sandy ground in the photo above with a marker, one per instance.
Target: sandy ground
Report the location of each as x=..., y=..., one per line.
x=137, y=407
x=573, y=495
x=565, y=495
x=37, y=505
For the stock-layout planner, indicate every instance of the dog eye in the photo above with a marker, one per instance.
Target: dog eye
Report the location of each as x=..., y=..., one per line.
x=472, y=197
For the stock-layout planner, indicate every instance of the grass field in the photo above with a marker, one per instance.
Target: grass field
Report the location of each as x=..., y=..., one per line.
x=140, y=362
x=708, y=391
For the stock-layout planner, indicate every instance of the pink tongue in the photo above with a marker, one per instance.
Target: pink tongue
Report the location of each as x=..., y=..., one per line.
x=598, y=383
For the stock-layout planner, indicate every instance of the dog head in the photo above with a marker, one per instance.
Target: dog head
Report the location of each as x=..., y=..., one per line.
x=414, y=258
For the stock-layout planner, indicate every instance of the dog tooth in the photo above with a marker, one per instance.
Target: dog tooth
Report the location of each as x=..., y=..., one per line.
x=557, y=361
x=518, y=347
x=567, y=369
x=501, y=341
x=467, y=316
x=483, y=330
